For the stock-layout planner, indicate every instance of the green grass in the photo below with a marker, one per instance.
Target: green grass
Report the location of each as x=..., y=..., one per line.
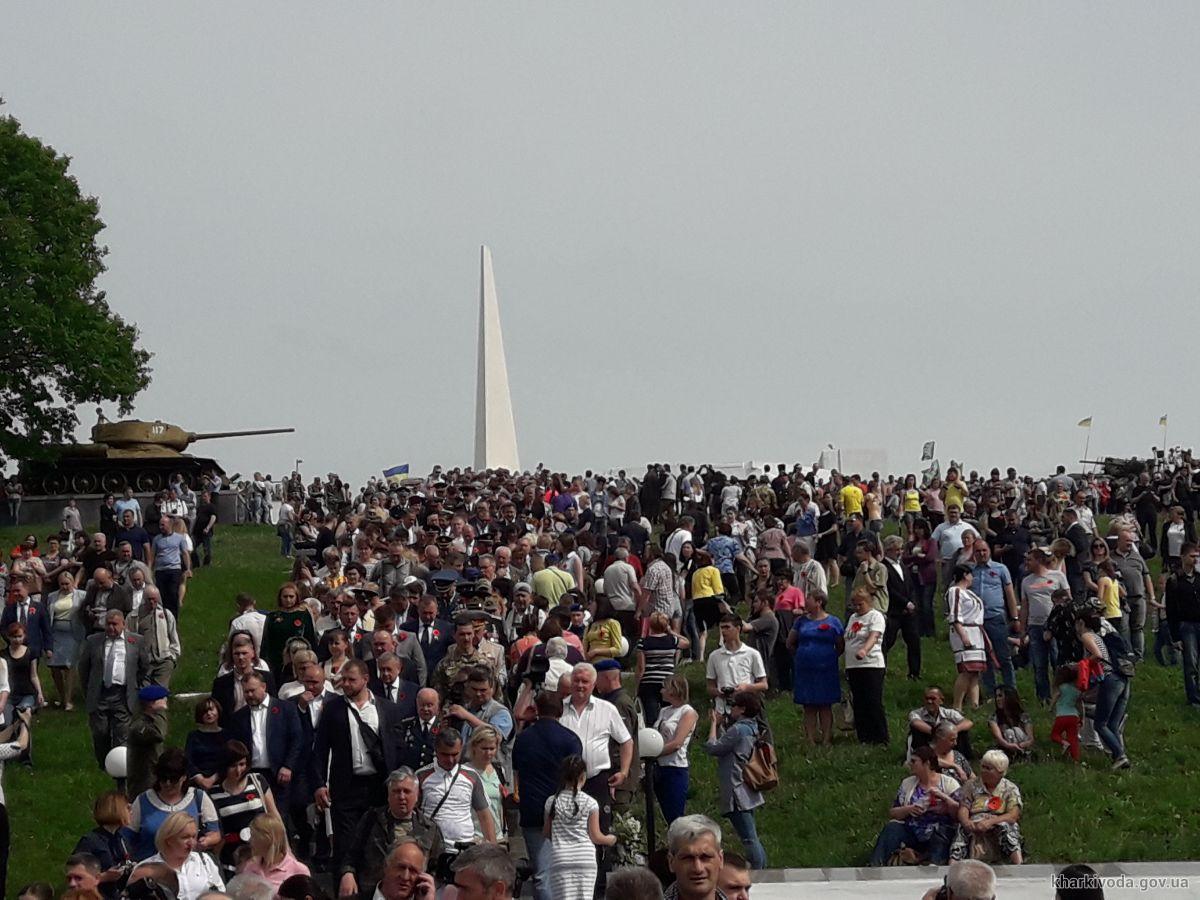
x=50, y=806
x=826, y=812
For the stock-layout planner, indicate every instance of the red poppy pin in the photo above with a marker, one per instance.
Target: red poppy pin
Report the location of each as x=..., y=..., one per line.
x=401, y=696
x=232, y=837
x=274, y=710
x=436, y=633
x=403, y=635
x=250, y=795
x=856, y=628
x=296, y=623
x=824, y=626
x=994, y=804
x=130, y=640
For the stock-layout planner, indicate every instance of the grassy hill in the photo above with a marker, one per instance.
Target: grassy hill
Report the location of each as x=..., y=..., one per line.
x=827, y=811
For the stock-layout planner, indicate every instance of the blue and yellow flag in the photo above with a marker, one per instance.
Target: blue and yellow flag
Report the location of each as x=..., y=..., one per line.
x=396, y=474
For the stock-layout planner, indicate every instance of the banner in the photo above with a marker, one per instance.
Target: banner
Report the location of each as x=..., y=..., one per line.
x=1162, y=422
x=1085, y=423
x=927, y=451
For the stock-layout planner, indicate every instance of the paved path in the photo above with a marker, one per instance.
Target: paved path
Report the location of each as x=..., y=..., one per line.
x=1166, y=880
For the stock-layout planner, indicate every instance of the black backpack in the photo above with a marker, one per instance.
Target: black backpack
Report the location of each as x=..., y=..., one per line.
x=1123, y=660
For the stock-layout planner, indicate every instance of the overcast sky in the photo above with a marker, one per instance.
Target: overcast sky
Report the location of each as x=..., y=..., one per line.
x=721, y=232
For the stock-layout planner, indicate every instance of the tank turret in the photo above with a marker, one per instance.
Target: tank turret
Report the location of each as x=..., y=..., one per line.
x=131, y=453
x=1118, y=467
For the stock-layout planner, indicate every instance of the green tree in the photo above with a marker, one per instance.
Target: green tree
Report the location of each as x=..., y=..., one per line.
x=60, y=343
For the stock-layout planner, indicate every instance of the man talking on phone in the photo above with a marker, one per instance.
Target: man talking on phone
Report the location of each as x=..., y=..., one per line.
x=404, y=875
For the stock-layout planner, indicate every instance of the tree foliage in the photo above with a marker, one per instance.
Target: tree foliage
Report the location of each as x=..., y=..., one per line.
x=62, y=345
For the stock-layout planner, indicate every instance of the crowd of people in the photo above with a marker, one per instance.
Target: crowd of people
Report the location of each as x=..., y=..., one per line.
x=472, y=678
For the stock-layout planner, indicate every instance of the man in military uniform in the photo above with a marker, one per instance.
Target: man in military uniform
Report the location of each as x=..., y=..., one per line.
x=381, y=829
x=481, y=708
x=482, y=621
x=420, y=731
x=609, y=687
x=449, y=679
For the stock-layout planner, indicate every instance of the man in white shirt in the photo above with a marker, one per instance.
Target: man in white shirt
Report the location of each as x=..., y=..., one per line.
x=596, y=722
x=1084, y=512
x=733, y=666
x=679, y=537
x=808, y=574
x=248, y=619
x=450, y=793
x=948, y=537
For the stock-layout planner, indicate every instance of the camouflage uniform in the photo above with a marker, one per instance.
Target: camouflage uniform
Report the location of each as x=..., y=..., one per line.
x=450, y=676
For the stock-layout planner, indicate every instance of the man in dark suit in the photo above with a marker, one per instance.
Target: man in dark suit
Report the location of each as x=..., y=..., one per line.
x=433, y=635
x=357, y=744
x=228, y=689
x=406, y=650
x=419, y=732
x=39, y=633
x=388, y=684
x=902, y=619
x=110, y=666
x=270, y=729
x=101, y=595
x=309, y=705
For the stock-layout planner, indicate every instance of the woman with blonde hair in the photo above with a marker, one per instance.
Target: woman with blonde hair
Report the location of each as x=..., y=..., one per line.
x=176, y=843
x=482, y=747
x=676, y=722
x=271, y=858
x=657, y=657
x=180, y=526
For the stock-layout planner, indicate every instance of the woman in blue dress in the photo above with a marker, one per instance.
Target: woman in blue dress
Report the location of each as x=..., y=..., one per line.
x=816, y=639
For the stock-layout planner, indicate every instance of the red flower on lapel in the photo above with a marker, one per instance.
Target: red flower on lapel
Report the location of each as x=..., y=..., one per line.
x=130, y=640
x=856, y=628
x=824, y=626
x=403, y=635
x=296, y=623
x=274, y=710
x=436, y=633
x=994, y=804
x=403, y=695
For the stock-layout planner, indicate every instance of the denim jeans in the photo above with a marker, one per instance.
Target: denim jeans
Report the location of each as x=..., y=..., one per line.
x=742, y=821
x=1110, y=712
x=1189, y=636
x=1042, y=655
x=895, y=834
x=689, y=628
x=1133, y=626
x=997, y=632
x=671, y=790
x=533, y=844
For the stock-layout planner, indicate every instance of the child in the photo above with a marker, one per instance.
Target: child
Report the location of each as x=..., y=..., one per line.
x=1067, y=713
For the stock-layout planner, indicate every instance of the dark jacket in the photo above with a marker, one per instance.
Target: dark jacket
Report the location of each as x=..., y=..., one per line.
x=435, y=649
x=39, y=634
x=376, y=834
x=330, y=763
x=1182, y=601
x=91, y=670
x=285, y=740
x=416, y=744
x=223, y=692
x=901, y=589
x=406, y=699
x=111, y=849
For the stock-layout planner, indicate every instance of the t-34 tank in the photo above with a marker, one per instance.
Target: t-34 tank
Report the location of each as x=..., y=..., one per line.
x=131, y=453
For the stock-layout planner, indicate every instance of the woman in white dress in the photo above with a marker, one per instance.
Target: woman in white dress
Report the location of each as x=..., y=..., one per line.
x=968, y=640
x=572, y=832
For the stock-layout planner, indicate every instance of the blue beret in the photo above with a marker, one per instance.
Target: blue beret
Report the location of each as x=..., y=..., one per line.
x=607, y=665
x=152, y=692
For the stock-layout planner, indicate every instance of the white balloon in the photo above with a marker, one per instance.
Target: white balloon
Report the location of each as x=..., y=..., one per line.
x=623, y=647
x=116, y=762
x=650, y=743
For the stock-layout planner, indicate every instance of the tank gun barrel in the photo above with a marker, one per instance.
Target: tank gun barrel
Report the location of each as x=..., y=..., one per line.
x=210, y=435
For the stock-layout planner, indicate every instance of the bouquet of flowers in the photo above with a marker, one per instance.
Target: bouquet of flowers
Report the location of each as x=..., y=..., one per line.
x=630, y=848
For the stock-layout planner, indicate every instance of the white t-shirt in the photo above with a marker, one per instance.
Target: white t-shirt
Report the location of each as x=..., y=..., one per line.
x=858, y=628
x=668, y=725
x=677, y=539
x=948, y=537
x=729, y=668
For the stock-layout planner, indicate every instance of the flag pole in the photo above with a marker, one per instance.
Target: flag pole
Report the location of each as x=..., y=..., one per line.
x=1164, y=437
x=1087, y=442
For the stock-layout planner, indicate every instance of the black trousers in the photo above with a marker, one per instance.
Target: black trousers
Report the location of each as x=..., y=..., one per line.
x=350, y=802
x=906, y=625
x=168, y=581
x=866, y=691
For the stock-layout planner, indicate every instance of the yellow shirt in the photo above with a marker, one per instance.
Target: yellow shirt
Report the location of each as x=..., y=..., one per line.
x=852, y=499
x=707, y=582
x=1110, y=596
x=606, y=634
x=956, y=493
x=912, y=500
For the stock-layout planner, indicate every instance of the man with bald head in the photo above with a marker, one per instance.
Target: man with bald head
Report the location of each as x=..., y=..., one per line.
x=96, y=555
x=100, y=596
x=159, y=633
x=420, y=731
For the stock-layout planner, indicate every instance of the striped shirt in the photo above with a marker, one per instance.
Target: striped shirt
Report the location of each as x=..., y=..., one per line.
x=660, y=652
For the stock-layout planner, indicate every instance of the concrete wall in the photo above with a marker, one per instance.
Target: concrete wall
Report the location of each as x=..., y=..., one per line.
x=43, y=514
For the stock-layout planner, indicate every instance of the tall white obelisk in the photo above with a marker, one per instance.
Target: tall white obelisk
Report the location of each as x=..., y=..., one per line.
x=495, y=433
